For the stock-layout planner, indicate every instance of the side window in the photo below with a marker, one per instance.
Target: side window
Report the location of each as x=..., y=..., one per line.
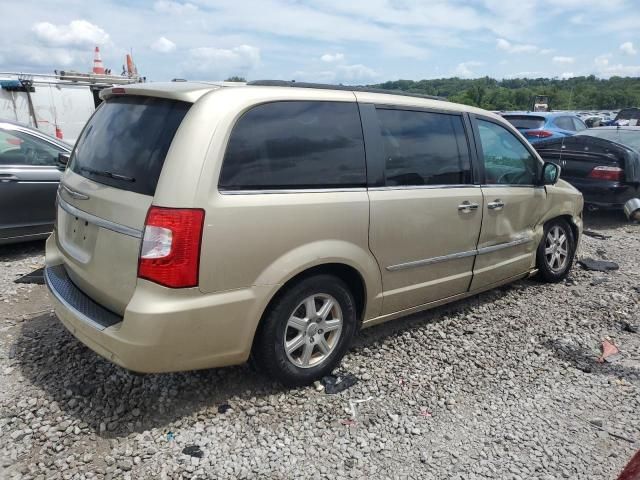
x=423, y=148
x=506, y=160
x=578, y=125
x=18, y=148
x=565, y=123
x=296, y=145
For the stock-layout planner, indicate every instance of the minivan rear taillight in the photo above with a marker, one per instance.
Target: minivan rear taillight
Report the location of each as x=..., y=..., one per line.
x=170, y=253
x=613, y=174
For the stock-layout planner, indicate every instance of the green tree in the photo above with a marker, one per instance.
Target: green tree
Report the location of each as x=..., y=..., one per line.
x=579, y=93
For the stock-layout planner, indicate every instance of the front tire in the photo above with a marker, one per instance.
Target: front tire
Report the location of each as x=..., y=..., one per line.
x=306, y=331
x=556, y=251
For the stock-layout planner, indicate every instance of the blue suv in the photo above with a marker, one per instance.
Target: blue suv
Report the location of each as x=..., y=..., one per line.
x=538, y=126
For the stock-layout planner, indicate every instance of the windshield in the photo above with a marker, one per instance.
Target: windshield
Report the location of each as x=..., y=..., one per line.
x=126, y=141
x=629, y=138
x=525, y=122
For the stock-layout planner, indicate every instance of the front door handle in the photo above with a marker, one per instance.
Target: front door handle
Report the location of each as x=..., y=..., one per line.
x=467, y=207
x=495, y=205
x=6, y=177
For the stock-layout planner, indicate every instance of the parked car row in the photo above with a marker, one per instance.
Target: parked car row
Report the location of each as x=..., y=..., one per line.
x=600, y=162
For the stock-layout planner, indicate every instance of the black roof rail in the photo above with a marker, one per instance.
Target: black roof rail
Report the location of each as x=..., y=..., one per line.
x=348, y=88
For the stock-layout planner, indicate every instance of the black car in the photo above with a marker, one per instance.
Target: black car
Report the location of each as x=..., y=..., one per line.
x=29, y=178
x=603, y=163
x=627, y=117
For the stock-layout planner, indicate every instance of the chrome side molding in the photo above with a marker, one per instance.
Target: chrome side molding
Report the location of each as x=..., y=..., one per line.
x=455, y=256
x=431, y=261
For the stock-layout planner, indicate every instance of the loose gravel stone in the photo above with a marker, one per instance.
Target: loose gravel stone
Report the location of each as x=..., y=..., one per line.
x=501, y=385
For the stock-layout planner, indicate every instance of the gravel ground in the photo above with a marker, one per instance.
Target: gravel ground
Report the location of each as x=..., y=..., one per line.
x=503, y=385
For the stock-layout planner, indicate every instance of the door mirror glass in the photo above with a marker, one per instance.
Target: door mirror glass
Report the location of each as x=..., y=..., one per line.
x=63, y=159
x=550, y=173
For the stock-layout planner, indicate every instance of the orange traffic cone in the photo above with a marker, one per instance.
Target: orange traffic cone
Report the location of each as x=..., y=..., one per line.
x=131, y=67
x=98, y=67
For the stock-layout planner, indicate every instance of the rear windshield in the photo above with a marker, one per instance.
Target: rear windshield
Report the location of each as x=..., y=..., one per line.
x=125, y=142
x=629, y=114
x=629, y=138
x=525, y=122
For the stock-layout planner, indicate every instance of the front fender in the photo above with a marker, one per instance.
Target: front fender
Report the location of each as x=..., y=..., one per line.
x=563, y=200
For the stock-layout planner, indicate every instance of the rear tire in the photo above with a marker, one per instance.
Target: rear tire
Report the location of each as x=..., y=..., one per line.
x=306, y=331
x=556, y=251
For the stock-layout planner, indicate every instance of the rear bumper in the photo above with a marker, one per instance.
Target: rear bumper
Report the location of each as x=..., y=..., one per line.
x=605, y=194
x=162, y=330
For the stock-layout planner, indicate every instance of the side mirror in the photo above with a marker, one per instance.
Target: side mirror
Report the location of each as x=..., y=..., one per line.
x=63, y=159
x=550, y=173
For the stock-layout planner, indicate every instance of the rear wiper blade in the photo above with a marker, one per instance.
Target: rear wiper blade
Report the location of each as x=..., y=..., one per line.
x=104, y=173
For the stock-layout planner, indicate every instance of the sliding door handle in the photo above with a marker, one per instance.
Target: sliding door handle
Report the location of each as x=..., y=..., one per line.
x=467, y=207
x=495, y=205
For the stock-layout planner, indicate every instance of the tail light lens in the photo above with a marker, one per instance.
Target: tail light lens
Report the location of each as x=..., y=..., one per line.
x=613, y=174
x=538, y=133
x=170, y=253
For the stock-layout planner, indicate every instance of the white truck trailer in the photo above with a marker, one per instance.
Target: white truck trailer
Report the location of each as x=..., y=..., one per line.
x=58, y=104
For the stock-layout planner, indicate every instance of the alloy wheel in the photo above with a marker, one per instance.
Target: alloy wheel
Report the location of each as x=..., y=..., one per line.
x=313, y=330
x=556, y=249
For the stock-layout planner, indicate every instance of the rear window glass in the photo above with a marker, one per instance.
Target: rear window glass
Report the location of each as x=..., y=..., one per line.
x=630, y=138
x=296, y=145
x=125, y=142
x=525, y=122
x=629, y=114
x=565, y=123
x=424, y=148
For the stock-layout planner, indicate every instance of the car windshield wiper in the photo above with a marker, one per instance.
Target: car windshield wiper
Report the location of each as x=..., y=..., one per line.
x=104, y=173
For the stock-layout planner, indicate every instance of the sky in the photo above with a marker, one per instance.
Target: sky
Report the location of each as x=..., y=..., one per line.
x=328, y=41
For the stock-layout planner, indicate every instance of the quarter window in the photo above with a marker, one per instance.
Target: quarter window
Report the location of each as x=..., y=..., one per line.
x=296, y=145
x=424, y=148
x=565, y=123
x=578, y=125
x=506, y=160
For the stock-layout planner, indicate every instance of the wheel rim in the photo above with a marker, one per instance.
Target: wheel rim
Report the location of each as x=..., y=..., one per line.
x=313, y=330
x=556, y=249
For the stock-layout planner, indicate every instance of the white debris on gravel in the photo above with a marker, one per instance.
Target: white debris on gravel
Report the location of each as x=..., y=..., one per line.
x=503, y=385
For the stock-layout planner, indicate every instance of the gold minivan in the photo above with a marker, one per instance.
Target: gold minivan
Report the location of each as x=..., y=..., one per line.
x=199, y=225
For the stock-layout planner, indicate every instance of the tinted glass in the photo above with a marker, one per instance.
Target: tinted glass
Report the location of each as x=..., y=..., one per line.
x=525, y=122
x=125, y=143
x=423, y=148
x=565, y=123
x=628, y=114
x=296, y=145
x=506, y=160
x=18, y=148
x=630, y=138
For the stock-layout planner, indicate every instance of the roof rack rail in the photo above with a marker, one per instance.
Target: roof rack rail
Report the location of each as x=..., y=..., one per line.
x=349, y=88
